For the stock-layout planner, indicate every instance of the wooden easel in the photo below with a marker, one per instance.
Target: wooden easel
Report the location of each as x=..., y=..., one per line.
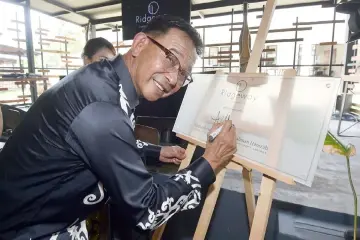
x=258, y=214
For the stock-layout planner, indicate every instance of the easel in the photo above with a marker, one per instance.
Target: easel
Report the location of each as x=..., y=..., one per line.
x=258, y=214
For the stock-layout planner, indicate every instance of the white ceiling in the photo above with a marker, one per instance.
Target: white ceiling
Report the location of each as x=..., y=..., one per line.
x=82, y=17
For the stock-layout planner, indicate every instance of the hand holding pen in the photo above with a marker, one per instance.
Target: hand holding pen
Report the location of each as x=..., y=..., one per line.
x=221, y=145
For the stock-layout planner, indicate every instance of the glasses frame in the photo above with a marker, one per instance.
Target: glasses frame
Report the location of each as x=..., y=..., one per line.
x=171, y=55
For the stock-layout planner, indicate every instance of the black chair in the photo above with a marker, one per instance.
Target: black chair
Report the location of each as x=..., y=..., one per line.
x=12, y=117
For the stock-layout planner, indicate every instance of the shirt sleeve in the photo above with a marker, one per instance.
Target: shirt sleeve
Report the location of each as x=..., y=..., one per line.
x=103, y=137
x=150, y=153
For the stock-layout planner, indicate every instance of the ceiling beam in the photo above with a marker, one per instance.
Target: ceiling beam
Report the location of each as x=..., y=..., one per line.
x=69, y=21
x=223, y=3
x=260, y=9
x=103, y=29
x=106, y=20
x=16, y=2
x=67, y=8
x=110, y=25
x=90, y=7
x=19, y=3
x=196, y=7
x=98, y=5
x=201, y=15
x=217, y=4
x=57, y=14
x=230, y=3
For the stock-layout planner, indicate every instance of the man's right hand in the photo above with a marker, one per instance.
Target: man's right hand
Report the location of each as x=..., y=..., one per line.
x=219, y=152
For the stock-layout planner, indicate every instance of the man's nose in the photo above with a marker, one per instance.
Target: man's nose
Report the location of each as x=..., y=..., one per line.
x=172, y=77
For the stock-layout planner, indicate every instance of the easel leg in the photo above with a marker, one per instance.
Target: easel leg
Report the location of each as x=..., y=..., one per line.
x=159, y=232
x=249, y=194
x=209, y=206
x=262, y=210
x=343, y=100
x=184, y=163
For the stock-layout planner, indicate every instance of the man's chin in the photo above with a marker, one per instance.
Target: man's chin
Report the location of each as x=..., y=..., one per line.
x=155, y=95
x=151, y=97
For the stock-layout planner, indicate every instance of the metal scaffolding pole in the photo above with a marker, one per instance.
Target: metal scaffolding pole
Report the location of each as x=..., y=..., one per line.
x=30, y=49
x=332, y=42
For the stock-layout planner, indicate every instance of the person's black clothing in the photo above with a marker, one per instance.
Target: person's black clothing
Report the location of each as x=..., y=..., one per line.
x=74, y=149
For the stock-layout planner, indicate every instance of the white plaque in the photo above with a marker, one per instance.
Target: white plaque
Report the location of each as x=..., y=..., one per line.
x=281, y=121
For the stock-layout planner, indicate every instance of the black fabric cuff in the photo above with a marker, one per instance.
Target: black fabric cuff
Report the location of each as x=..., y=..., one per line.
x=203, y=171
x=152, y=151
x=152, y=154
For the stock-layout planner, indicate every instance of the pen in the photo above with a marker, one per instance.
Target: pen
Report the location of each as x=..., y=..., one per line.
x=215, y=133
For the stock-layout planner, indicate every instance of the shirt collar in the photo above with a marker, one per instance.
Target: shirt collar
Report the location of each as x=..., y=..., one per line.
x=125, y=80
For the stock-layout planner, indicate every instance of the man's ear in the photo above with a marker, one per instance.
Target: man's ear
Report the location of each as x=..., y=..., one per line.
x=86, y=60
x=140, y=41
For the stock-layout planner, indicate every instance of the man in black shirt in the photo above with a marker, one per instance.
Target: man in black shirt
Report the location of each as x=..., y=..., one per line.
x=76, y=148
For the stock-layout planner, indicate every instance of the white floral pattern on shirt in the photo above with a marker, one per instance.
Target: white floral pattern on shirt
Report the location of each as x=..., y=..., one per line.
x=141, y=144
x=76, y=231
x=92, y=199
x=124, y=103
x=169, y=207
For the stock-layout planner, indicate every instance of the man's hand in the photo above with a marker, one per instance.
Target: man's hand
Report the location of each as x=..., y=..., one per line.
x=172, y=154
x=219, y=152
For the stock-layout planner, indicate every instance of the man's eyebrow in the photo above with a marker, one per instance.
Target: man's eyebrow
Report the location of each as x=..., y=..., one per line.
x=178, y=52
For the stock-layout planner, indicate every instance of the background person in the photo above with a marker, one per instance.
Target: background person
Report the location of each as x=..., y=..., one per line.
x=97, y=49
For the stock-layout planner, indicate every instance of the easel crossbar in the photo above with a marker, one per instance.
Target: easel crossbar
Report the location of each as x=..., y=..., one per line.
x=248, y=164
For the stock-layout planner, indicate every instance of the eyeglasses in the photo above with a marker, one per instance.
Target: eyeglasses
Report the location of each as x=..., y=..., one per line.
x=173, y=63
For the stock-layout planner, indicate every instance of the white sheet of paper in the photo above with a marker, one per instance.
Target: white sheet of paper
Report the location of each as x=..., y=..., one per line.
x=293, y=112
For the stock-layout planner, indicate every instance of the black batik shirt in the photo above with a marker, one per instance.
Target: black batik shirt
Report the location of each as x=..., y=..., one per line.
x=74, y=150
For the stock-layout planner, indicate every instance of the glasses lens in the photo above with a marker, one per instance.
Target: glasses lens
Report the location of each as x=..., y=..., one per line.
x=185, y=81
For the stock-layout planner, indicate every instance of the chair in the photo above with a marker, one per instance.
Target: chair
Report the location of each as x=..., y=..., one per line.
x=147, y=134
x=11, y=117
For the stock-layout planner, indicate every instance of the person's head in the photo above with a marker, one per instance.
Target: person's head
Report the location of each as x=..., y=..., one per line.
x=162, y=56
x=97, y=49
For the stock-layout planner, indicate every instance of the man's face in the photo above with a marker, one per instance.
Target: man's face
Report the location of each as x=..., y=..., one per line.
x=154, y=71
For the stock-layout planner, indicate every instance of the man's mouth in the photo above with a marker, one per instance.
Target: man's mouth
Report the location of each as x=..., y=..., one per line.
x=159, y=86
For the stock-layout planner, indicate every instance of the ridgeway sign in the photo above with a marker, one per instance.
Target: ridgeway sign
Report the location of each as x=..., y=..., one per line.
x=137, y=13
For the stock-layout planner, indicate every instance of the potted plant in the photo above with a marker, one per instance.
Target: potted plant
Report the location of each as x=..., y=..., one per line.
x=333, y=146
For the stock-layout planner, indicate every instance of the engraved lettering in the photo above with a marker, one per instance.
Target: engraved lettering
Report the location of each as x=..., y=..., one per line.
x=241, y=96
